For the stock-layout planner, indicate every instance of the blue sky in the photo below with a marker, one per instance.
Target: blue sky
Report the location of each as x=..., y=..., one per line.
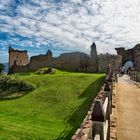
x=68, y=25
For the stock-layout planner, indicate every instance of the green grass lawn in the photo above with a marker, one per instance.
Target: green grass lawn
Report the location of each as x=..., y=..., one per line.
x=53, y=111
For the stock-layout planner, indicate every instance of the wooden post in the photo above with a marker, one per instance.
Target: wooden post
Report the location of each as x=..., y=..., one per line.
x=98, y=117
x=116, y=77
x=135, y=73
x=98, y=129
x=108, y=94
x=109, y=91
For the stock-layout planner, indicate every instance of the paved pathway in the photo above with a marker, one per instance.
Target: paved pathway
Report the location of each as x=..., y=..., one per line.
x=128, y=109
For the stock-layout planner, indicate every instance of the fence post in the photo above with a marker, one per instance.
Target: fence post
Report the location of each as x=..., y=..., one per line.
x=135, y=73
x=116, y=77
x=111, y=94
x=108, y=94
x=98, y=117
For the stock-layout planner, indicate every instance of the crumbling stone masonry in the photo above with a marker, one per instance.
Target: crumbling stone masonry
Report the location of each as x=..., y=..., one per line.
x=17, y=57
x=105, y=60
x=75, y=61
x=130, y=55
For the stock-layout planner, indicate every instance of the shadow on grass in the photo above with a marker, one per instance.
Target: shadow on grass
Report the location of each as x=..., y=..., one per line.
x=14, y=96
x=77, y=116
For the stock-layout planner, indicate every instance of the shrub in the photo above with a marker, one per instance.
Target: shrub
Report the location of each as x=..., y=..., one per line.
x=1, y=67
x=9, y=86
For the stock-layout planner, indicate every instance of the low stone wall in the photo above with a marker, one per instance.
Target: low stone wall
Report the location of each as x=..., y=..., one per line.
x=85, y=130
x=113, y=117
x=86, y=127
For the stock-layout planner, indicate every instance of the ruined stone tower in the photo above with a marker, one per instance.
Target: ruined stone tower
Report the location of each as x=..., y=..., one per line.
x=17, y=57
x=93, y=63
x=49, y=54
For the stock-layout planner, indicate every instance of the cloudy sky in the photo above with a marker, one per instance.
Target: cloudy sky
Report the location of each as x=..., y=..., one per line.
x=68, y=25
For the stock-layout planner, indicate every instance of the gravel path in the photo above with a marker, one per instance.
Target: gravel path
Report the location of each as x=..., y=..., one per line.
x=128, y=109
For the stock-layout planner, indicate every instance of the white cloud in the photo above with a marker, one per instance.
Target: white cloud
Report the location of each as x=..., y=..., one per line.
x=76, y=23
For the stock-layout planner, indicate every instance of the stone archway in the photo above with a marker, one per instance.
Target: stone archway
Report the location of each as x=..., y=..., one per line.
x=127, y=64
x=131, y=55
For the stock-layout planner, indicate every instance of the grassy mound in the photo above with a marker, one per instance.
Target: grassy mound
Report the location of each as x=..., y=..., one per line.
x=54, y=110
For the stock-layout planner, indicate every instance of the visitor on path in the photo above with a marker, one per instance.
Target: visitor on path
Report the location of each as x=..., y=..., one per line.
x=129, y=71
x=121, y=71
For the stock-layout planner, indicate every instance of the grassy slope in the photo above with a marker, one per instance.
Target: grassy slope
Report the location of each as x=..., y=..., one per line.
x=51, y=112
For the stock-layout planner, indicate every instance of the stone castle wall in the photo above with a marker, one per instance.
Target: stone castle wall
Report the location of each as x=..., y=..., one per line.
x=137, y=57
x=105, y=60
x=130, y=55
x=75, y=61
x=21, y=57
x=17, y=57
x=40, y=61
x=69, y=61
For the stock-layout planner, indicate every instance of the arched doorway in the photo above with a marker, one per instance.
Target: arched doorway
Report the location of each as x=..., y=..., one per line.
x=128, y=64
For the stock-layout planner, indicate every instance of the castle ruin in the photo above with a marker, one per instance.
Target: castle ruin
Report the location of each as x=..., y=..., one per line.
x=74, y=61
x=130, y=55
x=17, y=57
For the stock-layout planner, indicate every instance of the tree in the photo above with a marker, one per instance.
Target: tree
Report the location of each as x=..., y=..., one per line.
x=1, y=67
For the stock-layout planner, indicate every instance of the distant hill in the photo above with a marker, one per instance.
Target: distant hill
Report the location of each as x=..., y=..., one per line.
x=6, y=67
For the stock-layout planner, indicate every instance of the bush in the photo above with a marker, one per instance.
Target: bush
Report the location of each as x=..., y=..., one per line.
x=9, y=86
x=1, y=67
